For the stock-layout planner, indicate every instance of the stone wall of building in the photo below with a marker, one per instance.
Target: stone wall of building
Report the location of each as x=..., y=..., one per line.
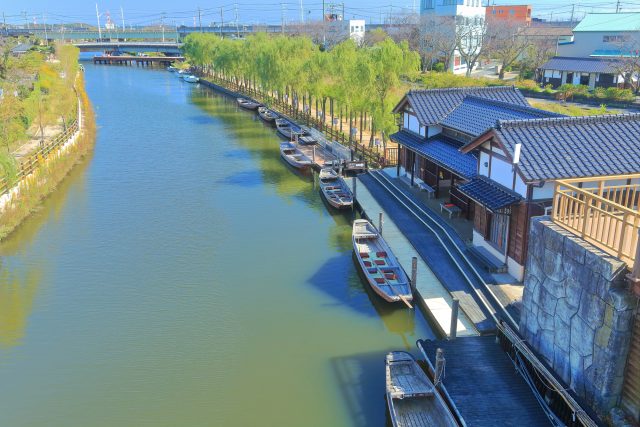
x=577, y=312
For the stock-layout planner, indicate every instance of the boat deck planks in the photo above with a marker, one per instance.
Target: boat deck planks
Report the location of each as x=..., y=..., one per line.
x=484, y=384
x=322, y=157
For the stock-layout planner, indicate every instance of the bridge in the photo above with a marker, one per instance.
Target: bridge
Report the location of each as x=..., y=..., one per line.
x=168, y=48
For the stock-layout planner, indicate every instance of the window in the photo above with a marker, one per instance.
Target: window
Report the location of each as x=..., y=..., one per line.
x=493, y=11
x=512, y=12
x=613, y=39
x=498, y=230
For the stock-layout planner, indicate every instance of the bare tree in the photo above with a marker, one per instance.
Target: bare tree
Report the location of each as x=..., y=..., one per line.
x=470, y=40
x=537, y=52
x=504, y=43
x=627, y=64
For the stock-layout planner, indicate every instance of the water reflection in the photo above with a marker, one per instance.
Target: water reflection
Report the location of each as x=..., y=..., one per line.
x=17, y=294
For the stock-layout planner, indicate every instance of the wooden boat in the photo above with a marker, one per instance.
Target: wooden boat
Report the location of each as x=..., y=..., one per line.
x=267, y=115
x=288, y=129
x=379, y=265
x=292, y=155
x=412, y=398
x=191, y=79
x=306, y=140
x=334, y=189
x=247, y=104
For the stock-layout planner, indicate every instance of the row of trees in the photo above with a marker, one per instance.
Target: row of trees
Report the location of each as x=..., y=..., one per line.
x=348, y=79
x=37, y=90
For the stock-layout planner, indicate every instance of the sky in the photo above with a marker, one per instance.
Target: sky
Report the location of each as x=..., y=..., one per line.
x=149, y=12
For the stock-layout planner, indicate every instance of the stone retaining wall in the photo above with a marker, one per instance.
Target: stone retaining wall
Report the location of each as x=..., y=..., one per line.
x=577, y=312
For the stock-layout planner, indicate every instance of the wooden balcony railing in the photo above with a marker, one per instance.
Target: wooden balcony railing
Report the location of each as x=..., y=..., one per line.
x=603, y=211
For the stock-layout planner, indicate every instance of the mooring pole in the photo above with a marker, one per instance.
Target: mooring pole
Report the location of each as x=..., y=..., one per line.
x=314, y=154
x=380, y=222
x=414, y=273
x=453, y=329
x=440, y=362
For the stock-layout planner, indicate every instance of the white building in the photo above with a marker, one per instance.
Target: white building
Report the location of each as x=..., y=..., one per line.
x=604, y=35
x=465, y=13
x=356, y=30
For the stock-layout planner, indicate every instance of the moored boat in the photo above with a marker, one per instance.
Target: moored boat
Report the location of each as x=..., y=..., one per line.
x=334, y=189
x=247, y=104
x=267, y=115
x=292, y=155
x=191, y=79
x=412, y=398
x=172, y=69
x=289, y=130
x=379, y=265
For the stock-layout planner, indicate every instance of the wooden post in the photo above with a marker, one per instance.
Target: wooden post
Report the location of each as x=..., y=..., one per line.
x=414, y=273
x=634, y=277
x=313, y=154
x=440, y=362
x=354, y=189
x=380, y=222
x=453, y=329
x=398, y=163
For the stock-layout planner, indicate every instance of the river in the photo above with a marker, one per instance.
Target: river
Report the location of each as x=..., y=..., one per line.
x=185, y=276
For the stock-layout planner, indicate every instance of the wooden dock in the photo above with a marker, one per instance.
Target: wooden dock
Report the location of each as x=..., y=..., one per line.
x=139, y=61
x=431, y=295
x=484, y=385
x=319, y=155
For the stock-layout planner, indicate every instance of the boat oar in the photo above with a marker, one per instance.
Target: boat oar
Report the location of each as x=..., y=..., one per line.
x=403, y=299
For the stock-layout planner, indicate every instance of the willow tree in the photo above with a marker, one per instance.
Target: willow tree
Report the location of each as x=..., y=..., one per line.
x=389, y=61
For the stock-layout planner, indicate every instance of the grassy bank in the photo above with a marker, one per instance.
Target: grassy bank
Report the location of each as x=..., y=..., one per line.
x=48, y=176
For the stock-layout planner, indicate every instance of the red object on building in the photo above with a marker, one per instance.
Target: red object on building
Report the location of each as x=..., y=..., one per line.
x=520, y=14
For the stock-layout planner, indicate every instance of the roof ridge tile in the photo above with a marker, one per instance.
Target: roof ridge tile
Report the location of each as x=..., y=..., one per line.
x=564, y=120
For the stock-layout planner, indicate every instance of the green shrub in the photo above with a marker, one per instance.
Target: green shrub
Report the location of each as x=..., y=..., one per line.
x=600, y=93
x=619, y=94
x=528, y=84
x=438, y=67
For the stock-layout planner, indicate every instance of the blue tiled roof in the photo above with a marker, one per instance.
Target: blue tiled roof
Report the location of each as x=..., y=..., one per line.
x=488, y=193
x=476, y=115
x=433, y=105
x=442, y=151
x=574, y=147
x=581, y=65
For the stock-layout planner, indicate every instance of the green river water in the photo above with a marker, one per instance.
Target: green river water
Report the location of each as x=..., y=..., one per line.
x=183, y=275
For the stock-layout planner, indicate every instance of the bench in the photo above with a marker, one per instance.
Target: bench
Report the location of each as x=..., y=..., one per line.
x=423, y=186
x=451, y=209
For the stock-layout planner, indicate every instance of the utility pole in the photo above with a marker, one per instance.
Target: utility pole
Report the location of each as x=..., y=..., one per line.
x=99, y=29
x=122, y=16
x=301, y=12
x=199, y=19
x=221, y=21
x=4, y=19
x=235, y=5
x=24, y=13
x=573, y=8
x=323, y=15
x=46, y=37
x=282, y=18
x=162, y=25
x=618, y=6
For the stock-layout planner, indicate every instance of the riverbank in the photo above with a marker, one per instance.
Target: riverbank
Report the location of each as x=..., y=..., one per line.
x=51, y=167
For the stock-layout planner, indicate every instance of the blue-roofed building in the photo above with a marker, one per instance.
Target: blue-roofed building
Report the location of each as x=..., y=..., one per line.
x=592, y=71
x=602, y=32
x=436, y=125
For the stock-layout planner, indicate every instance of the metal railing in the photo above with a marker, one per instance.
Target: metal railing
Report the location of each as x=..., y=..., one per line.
x=603, y=211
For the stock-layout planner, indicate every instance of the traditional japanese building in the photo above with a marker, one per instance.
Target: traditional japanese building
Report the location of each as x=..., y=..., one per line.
x=486, y=151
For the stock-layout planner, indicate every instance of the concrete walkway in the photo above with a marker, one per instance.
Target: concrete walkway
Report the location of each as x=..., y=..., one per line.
x=436, y=298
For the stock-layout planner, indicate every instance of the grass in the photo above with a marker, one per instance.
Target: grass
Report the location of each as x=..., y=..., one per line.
x=46, y=178
x=571, y=109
